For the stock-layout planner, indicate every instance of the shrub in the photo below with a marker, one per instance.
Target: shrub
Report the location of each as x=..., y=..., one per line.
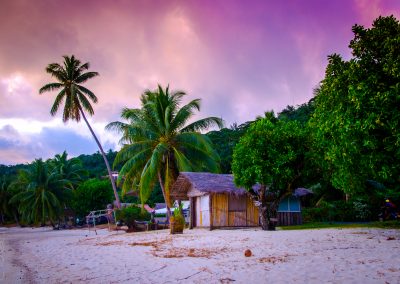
x=93, y=194
x=362, y=210
x=131, y=214
x=339, y=211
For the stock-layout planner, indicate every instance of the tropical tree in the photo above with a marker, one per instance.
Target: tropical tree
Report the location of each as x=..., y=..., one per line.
x=93, y=194
x=271, y=154
x=5, y=196
x=224, y=141
x=157, y=142
x=40, y=194
x=70, y=76
x=356, y=122
x=70, y=170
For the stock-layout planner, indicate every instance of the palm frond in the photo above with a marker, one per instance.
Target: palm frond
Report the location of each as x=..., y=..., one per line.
x=85, y=103
x=86, y=76
x=60, y=97
x=50, y=87
x=88, y=92
x=204, y=124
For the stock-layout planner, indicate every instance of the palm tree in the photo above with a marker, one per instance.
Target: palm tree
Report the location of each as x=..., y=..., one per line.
x=4, y=198
x=40, y=193
x=70, y=170
x=70, y=76
x=157, y=143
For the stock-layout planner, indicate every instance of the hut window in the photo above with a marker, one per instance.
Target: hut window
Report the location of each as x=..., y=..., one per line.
x=236, y=203
x=289, y=204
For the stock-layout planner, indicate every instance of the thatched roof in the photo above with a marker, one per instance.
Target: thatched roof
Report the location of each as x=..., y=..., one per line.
x=190, y=184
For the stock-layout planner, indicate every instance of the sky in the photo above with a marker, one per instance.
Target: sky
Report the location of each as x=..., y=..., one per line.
x=241, y=58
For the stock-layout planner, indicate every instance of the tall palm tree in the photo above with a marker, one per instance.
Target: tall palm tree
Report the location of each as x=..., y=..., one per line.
x=157, y=143
x=40, y=193
x=69, y=78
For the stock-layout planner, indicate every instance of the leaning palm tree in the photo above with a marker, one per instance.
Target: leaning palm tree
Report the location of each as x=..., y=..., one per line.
x=70, y=76
x=157, y=143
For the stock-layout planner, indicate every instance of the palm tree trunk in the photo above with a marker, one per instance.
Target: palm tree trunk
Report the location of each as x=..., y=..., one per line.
x=15, y=218
x=105, y=160
x=165, y=197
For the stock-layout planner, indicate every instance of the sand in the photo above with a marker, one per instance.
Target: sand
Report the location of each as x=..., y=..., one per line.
x=41, y=255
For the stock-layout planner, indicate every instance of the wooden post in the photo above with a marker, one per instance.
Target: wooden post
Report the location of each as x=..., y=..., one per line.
x=191, y=213
x=211, y=211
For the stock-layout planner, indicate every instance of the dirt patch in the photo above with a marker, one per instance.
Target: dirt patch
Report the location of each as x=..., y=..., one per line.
x=359, y=233
x=273, y=259
x=155, y=244
x=188, y=252
x=163, y=248
x=111, y=243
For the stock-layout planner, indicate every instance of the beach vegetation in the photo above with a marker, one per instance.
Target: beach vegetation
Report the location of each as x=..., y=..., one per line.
x=77, y=99
x=158, y=142
x=356, y=122
x=271, y=154
x=70, y=170
x=92, y=194
x=41, y=193
x=7, y=211
x=131, y=214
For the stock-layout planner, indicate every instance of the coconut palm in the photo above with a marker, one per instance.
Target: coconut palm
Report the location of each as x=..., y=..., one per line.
x=69, y=169
x=5, y=196
x=70, y=77
x=40, y=193
x=157, y=143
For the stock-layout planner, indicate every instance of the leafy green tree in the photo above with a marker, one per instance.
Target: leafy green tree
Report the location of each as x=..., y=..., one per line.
x=271, y=155
x=95, y=165
x=158, y=143
x=356, y=121
x=70, y=76
x=301, y=113
x=41, y=193
x=70, y=170
x=93, y=194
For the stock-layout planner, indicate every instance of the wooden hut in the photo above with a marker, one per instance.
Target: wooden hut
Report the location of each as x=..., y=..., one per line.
x=215, y=201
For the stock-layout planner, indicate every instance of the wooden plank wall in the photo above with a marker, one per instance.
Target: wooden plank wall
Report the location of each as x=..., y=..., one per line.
x=220, y=210
x=289, y=218
x=252, y=213
x=221, y=217
x=237, y=219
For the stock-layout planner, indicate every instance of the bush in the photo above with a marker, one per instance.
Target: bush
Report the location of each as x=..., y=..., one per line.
x=93, y=194
x=362, y=210
x=178, y=216
x=131, y=214
x=339, y=211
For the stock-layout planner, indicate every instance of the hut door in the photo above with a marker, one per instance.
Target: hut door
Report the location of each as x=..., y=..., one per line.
x=237, y=211
x=202, y=211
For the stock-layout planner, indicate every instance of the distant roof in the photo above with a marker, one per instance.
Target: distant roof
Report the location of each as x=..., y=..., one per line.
x=159, y=206
x=301, y=191
x=195, y=184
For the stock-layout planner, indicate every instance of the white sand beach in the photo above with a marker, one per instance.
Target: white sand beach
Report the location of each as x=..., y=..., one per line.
x=41, y=255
